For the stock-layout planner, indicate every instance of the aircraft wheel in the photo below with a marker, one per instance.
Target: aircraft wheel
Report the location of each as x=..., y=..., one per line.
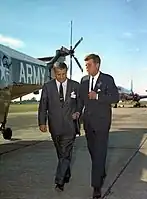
x=115, y=105
x=7, y=134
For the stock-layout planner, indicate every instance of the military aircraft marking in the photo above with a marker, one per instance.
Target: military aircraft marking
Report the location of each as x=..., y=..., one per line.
x=17, y=71
x=31, y=74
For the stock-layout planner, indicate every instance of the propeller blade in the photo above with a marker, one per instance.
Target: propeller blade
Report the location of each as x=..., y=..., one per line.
x=78, y=63
x=77, y=43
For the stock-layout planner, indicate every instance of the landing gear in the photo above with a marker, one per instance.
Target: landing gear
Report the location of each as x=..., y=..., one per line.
x=7, y=132
x=115, y=105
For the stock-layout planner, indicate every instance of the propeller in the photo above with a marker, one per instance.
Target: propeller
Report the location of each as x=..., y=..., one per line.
x=63, y=52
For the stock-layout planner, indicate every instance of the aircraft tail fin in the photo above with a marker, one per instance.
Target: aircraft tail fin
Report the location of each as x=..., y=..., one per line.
x=132, y=86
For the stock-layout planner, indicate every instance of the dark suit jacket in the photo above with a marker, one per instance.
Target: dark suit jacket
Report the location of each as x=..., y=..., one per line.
x=59, y=118
x=97, y=112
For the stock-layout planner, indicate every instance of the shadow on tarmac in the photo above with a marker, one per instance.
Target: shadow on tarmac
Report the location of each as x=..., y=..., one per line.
x=35, y=165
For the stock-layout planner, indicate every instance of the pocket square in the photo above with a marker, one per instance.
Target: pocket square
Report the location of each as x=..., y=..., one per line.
x=98, y=90
x=73, y=95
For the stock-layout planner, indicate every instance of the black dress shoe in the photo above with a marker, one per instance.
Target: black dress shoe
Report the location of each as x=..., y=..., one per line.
x=96, y=197
x=59, y=187
x=96, y=193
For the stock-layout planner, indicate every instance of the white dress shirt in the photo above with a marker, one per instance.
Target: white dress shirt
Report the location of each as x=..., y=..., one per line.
x=94, y=82
x=64, y=84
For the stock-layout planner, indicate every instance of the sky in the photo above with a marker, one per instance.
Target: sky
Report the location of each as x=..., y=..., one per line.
x=114, y=29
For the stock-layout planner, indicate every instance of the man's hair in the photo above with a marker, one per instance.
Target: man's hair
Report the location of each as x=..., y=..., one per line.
x=60, y=65
x=94, y=57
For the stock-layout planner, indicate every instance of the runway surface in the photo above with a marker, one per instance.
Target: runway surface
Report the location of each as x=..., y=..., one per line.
x=28, y=162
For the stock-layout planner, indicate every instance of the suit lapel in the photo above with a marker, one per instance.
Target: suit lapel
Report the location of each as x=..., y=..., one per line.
x=55, y=85
x=98, y=81
x=87, y=85
x=68, y=90
x=56, y=89
x=85, y=89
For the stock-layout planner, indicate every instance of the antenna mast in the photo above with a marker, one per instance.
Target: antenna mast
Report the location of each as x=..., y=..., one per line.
x=71, y=50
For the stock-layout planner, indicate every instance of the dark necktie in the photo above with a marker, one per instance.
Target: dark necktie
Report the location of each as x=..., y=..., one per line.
x=92, y=84
x=61, y=94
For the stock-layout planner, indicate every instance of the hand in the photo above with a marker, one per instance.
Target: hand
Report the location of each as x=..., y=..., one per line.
x=92, y=95
x=75, y=115
x=43, y=128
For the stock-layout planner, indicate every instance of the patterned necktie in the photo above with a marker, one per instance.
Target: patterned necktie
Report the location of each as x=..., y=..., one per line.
x=61, y=94
x=92, y=84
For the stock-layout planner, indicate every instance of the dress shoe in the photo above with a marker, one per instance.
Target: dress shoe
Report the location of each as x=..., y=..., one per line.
x=96, y=197
x=96, y=193
x=59, y=187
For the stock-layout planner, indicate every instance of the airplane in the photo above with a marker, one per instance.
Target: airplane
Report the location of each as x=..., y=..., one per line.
x=129, y=95
x=21, y=74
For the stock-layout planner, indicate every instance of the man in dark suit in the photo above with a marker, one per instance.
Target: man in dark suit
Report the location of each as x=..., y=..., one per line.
x=59, y=104
x=97, y=92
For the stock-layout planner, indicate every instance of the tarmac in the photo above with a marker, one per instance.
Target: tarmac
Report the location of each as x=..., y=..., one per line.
x=28, y=162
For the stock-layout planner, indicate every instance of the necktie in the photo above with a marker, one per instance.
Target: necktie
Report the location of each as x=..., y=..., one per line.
x=61, y=94
x=92, y=84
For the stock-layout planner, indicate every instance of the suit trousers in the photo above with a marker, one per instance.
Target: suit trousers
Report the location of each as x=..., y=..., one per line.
x=97, y=145
x=64, y=146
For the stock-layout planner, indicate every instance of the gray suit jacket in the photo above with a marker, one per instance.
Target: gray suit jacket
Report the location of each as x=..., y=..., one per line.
x=59, y=118
x=97, y=112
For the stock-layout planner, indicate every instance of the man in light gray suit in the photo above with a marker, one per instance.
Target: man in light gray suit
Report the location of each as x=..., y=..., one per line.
x=97, y=92
x=58, y=104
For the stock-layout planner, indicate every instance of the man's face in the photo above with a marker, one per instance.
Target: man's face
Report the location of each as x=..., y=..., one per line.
x=60, y=74
x=92, y=67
